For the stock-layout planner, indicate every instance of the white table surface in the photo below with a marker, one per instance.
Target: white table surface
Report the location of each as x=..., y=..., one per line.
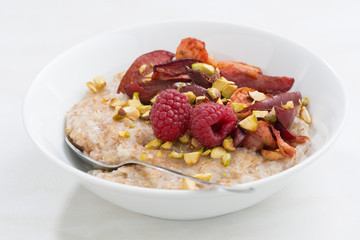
x=39, y=201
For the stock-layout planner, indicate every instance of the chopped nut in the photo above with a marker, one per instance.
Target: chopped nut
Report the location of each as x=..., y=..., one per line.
x=250, y=123
x=135, y=101
x=159, y=153
x=288, y=105
x=226, y=159
x=119, y=113
x=184, y=139
x=257, y=96
x=219, y=101
x=143, y=157
x=195, y=143
x=203, y=67
x=206, y=153
x=174, y=154
x=228, y=90
x=149, y=75
x=117, y=102
x=214, y=93
x=145, y=115
x=218, y=152
x=271, y=116
x=154, y=144
x=304, y=115
x=203, y=176
x=200, y=99
x=132, y=126
x=142, y=68
x=238, y=107
x=271, y=155
x=305, y=101
x=99, y=82
x=105, y=100
x=189, y=184
x=167, y=145
x=260, y=114
x=221, y=83
x=191, y=96
x=91, y=86
x=228, y=144
x=143, y=108
x=192, y=158
x=132, y=113
x=124, y=134
x=154, y=98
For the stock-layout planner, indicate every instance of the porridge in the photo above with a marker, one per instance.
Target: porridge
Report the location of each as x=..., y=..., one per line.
x=222, y=122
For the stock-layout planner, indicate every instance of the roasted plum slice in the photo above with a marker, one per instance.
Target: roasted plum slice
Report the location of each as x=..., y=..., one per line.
x=244, y=75
x=277, y=100
x=173, y=70
x=285, y=116
x=133, y=74
x=199, y=78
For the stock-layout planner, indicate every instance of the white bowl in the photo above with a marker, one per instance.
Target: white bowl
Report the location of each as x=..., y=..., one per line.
x=61, y=84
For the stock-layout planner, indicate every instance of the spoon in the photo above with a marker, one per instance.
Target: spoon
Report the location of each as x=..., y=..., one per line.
x=105, y=166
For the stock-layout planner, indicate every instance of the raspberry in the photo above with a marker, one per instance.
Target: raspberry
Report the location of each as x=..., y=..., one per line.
x=211, y=123
x=169, y=115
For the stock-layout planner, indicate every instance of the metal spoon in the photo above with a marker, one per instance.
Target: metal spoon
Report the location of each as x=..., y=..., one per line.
x=105, y=166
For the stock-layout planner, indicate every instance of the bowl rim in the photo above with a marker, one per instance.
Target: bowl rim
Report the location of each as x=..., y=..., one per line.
x=178, y=192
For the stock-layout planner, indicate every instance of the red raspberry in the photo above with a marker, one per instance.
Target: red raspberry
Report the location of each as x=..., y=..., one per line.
x=170, y=114
x=211, y=123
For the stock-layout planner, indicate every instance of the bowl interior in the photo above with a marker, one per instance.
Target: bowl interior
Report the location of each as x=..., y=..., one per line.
x=62, y=83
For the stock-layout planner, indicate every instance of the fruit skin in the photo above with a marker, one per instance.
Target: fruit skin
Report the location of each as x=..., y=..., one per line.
x=211, y=123
x=170, y=114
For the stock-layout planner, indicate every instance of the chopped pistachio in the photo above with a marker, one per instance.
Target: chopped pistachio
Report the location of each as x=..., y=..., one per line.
x=305, y=101
x=224, y=100
x=218, y=152
x=154, y=144
x=221, y=83
x=257, y=96
x=260, y=114
x=192, y=158
x=143, y=157
x=250, y=123
x=146, y=80
x=228, y=90
x=154, y=98
x=132, y=112
x=159, y=153
x=206, y=153
x=238, y=107
x=271, y=155
x=203, y=67
x=228, y=144
x=200, y=99
x=219, y=101
x=145, y=115
x=179, y=87
x=149, y=75
x=117, y=102
x=304, y=115
x=147, y=122
x=184, y=139
x=174, y=154
x=288, y=105
x=225, y=160
x=271, y=116
x=119, y=113
x=191, y=96
x=135, y=101
x=91, y=86
x=105, y=100
x=167, y=145
x=99, y=82
x=195, y=143
x=124, y=134
x=132, y=126
x=203, y=176
x=142, y=68
x=143, y=108
x=189, y=184
x=214, y=93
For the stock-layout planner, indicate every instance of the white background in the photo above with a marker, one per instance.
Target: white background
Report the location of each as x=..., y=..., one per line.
x=39, y=201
